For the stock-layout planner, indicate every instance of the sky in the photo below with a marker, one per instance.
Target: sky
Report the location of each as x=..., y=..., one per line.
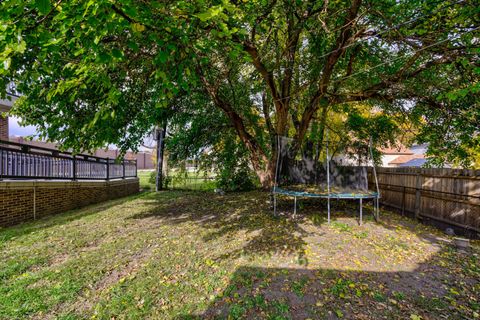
x=16, y=130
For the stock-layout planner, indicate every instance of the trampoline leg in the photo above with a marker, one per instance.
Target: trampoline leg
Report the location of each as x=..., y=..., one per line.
x=361, y=205
x=294, y=207
x=274, y=204
x=328, y=209
x=378, y=209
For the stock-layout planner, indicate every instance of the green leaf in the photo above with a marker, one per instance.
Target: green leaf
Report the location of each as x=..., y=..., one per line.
x=133, y=45
x=204, y=16
x=43, y=6
x=117, y=53
x=138, y=27
x=211, y=13
x=162, y=56
x=6, y=63
x=104, y=57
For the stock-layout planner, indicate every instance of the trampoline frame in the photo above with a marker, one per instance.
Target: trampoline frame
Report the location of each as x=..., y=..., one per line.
x=375, y=196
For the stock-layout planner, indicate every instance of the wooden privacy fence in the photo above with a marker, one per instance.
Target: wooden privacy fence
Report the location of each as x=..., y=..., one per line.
x=450, y=196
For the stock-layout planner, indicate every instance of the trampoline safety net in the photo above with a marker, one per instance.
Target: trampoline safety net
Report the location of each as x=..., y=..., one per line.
x=311, y=172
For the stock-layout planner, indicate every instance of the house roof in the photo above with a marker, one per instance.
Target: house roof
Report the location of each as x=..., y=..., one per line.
x=104, y=153
x=406, y=158
x=35, y=143
x=414, y=163
x=401, y=149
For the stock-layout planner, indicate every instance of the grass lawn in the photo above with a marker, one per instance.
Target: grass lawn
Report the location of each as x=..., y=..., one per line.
x=180, y=181
x=144, y=176
x=189, y=255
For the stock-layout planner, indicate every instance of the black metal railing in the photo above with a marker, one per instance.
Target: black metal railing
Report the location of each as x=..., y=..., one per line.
x=23, y=161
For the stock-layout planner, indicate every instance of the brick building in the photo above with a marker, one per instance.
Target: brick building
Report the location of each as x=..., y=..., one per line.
x=145, y=159
x=5, y=105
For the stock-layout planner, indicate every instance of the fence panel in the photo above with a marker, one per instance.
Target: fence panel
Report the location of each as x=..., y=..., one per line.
x=447, y=195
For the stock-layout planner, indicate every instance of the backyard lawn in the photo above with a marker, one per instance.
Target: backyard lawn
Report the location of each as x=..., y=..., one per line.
x=179, y=180
x=188, y=255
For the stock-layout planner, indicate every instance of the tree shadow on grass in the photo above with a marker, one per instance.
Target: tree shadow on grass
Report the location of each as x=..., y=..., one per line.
x=249, y=215
x=229, y=216
x=286, y=293
x=46, y=222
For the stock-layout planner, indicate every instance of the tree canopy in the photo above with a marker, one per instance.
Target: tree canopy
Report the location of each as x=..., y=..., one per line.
x=100, y=72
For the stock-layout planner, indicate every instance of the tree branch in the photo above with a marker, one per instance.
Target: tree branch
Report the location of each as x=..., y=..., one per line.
x=266, y=114
x=120, y=12
x=249, y=141
x=374, y=91
x=332, y=59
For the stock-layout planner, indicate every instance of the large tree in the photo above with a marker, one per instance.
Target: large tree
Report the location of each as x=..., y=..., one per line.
x=98, y=72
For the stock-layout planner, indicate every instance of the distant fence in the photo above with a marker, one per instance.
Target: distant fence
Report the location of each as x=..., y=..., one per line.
x=22, y=161
x=450, y=196
x=189, y=182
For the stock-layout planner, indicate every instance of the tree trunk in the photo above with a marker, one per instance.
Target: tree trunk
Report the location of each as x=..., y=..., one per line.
x=267, y=176
x=266, y=170
x=160, y=136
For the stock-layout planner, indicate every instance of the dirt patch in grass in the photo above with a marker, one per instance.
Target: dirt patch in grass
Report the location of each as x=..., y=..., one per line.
x=119, y=275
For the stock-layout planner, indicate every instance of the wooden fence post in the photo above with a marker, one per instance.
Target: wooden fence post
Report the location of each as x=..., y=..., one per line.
x=417, y=195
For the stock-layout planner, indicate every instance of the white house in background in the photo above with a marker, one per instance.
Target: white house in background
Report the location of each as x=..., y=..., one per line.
x=5, y=105
x=414, y=160
x=393, y=157
x=419, y=148
x=404, y=157
x=391, y=154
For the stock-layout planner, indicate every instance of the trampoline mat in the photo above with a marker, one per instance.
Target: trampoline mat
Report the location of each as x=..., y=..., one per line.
x=316, y=192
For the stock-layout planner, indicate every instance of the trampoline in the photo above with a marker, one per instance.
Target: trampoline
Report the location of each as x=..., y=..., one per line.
x=304, y=176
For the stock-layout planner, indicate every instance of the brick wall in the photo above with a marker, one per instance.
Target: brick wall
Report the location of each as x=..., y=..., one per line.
x=27, y=200
x=3, y=128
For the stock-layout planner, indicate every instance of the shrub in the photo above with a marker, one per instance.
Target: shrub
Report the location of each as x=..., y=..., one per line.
x=234, y=172
x=236, y=179
x=165, y=181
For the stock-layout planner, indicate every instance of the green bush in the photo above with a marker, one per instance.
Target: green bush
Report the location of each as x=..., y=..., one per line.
x=227, y=158
x=165, y=181
x=234, y=173
x=153, y=177
x=236, y=179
